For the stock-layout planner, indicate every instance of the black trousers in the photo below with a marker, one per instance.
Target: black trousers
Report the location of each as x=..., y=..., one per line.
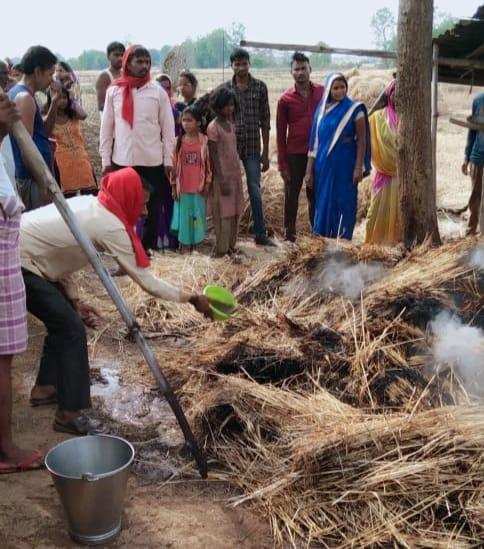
x=159, y=187
x=64, y=362
x=297, y=169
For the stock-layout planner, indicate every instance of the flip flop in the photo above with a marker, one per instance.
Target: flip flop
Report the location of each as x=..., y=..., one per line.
x=80, y=426
x=45, y=401
x=32, y=463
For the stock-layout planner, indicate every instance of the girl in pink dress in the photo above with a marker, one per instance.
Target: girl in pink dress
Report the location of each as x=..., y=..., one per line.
x=226, y=197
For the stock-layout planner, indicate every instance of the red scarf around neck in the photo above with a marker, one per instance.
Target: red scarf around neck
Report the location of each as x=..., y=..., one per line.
x=122, y=194
x=128, y=83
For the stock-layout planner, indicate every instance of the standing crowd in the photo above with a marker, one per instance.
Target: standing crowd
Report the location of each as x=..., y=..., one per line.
x=167, y=165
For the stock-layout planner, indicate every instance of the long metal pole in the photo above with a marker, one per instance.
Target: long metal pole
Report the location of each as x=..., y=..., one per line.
x=42, y=175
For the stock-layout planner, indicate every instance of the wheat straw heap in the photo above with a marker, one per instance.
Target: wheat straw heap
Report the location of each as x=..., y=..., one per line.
x=322, y=404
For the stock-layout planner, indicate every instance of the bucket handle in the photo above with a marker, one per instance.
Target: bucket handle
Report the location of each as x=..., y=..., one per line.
x=90, y=477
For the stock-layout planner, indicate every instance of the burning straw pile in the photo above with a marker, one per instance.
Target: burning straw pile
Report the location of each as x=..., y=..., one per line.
x=323, y=406
x=329, y=473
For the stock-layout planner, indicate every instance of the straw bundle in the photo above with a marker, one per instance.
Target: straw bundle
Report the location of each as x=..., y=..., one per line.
x=324, y=472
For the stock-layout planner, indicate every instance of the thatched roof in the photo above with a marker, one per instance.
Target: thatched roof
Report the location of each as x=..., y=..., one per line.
x=463, y=41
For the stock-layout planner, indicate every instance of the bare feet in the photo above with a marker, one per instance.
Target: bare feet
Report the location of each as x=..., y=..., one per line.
x=14, y=457
x=41, y=392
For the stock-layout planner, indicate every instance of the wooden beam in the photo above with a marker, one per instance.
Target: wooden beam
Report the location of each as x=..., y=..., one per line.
x=478, y=52
x=469, y=124
x=461, y=63
x=444, y=61
x=319, y=49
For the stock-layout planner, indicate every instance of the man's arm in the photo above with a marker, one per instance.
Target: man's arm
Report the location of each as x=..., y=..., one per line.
x=27, y=108
x=119, y=245
x=167, y=125
x=50, y=117
x=281, y=129
x=265, y=125
x=102, y=84
x=471, y=138
x=106, y=133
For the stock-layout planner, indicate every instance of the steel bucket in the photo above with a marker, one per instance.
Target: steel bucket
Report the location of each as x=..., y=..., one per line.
x=90, y=473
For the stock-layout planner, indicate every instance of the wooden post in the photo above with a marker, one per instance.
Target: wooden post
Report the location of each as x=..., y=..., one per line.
x=435, y=114
x=414, y=159
x=42, y=175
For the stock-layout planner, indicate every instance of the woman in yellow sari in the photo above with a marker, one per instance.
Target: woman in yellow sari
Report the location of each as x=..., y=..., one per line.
x=383, y=224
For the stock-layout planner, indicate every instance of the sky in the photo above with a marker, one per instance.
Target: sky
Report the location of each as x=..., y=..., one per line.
x=69, y=28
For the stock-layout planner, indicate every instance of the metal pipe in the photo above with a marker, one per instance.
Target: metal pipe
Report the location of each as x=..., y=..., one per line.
x=42, y=175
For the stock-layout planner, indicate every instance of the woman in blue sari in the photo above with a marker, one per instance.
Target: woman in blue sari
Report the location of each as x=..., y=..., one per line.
x=338, y=159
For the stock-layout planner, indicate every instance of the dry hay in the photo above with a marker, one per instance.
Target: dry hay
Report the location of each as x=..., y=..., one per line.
x=175, y=62
x=324, y=472
x=372, y=352
x=367, y=89
x=320, y=408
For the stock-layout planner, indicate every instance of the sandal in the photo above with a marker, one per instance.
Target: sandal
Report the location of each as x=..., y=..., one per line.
x=32, y=463
x=79, y=426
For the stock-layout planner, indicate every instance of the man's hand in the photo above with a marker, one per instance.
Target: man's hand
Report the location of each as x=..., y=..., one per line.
x=309, y=180
x=90, y=316
x=55, y=93
x=8, y=114
x=465, y=167
x=106, y=170
x=168, y=172
x=265, y=161
x=202, y=305
x=357, y=174
x=286, y=176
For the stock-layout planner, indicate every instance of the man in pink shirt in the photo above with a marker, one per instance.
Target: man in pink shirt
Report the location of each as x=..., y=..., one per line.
x=295, y=111
x=138, y=130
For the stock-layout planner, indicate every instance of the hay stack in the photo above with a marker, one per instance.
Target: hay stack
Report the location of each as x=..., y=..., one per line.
x=175, y=62
x=293, y=397
x=327, y=473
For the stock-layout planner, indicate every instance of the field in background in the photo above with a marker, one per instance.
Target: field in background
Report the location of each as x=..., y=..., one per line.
x=452, y=188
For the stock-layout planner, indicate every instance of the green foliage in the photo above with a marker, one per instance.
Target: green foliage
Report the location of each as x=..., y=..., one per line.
x=443, y=22
x=384, y=27
x=89, y=60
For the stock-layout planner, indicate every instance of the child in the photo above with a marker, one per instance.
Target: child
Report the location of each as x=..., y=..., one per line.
x=191, y=175
x=71, y=157
x=226, y=196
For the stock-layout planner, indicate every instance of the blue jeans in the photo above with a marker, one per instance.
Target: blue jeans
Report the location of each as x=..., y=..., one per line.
x=253, y=173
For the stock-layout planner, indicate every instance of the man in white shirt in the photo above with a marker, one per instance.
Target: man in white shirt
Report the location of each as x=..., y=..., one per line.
x=138, y=130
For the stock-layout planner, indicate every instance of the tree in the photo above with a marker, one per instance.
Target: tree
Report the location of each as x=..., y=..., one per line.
x=414, y=161
x=383, y=24
x=443, y=22
x=320, y=60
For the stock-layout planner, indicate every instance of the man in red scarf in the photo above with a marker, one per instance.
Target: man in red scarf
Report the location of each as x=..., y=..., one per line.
x=50, y=256
x=138, y=130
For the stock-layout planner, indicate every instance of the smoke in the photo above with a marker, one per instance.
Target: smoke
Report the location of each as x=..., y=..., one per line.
x=477, y=258
x=460, y=347
x=341, y=277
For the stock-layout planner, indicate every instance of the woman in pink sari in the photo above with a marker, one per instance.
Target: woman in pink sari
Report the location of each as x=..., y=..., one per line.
x=383, y=225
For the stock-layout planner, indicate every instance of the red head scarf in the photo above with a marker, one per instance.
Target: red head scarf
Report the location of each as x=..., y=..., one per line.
x=122, y=194
x=128, y=82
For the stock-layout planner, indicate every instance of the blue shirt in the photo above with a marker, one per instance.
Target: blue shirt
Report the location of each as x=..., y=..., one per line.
x=475, y=140
x=39, y=136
